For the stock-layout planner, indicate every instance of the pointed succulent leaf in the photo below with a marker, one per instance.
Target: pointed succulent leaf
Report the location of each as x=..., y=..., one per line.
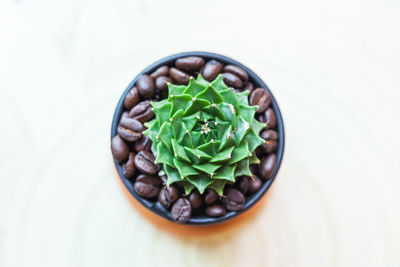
x=188, y=187
x=174, y=90
x=218, y=186
x=242, y=168
x=240, y=153
x=219, y=84
x=210, y=94
x=164, y=155
x=253, y=140
x=243, y=97
x=223, y=155
x=179, y=102
x=165, y=135
x=162, y=112
x=226, y=173
x=179, y=151
x=172, y=174
x=201, y=182
x=194, y=87
x=184, y=168
x=208, y=168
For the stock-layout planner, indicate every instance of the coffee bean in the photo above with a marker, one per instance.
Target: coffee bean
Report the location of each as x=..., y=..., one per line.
x=125, y=114
x=179, y=76
x=232, y=80
x=119, y=149
x=189, y=64
x=267, y=166
x=233, y=199
x=261, y=98
x=145, y=86
x=243, y=184
x=261, y=118
x=162, y=198
x=255, y=184
x=269, y=135
x=130, y=129
x=129, y=166
x=131, y=99
x=142, y=112
x=211, y=70
x=181, y=210
x=144, y=143
x=239, y=72
x=147, y=186
x=210, y=196
x=215, y=210
x=254, y=169
x=271, y=144
x=162, y=83
x=270, y=118
x=249, y=87
x=172, y=192
x=161, y=71
x=195, y=199
x=144, y=161
x=163, y=178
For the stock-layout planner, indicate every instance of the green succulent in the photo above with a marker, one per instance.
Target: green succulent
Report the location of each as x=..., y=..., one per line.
x=204, y=134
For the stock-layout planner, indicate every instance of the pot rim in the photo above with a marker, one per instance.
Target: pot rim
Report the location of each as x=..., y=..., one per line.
x=156, y=207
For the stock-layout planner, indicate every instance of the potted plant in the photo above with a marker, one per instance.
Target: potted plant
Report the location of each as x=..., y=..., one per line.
x=197, y=138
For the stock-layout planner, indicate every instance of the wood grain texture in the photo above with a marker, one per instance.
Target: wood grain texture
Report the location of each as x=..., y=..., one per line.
x=333, y=67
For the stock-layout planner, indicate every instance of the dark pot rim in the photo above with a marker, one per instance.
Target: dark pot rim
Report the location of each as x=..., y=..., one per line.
x=250, y=200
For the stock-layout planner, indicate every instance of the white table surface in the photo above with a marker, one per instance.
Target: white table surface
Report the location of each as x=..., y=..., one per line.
x=333, y=66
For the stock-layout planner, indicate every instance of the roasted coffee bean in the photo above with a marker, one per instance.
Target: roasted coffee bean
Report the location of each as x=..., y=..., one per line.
x=145, y=86
x=232, y=80
x=215, y=210
x=239, y=72
x=270, y=137
x=130, y=129
x=144, y=143
x=172, y=192
x=142, y=112
x=162, y=82
x=189, y=64
x=131, y=99
x=270, y=118
x=161, y=71
x=119, y=149
x=162, y=198
x=261, y=118
x=181, y=210
x=144, y=162
x=195, y=199
x=210, y=196
x=249, y=87
x=125, y=114
x=129, y=166
x=255, y=184
x=254, y=169
x=139, y=108
x=267, y=166
x=270, y=146
x=147, y=186
x=243, y=184
x=179, y=76
x=211, y=70
x=261, y=98
x=163, y=178
x=233, y=199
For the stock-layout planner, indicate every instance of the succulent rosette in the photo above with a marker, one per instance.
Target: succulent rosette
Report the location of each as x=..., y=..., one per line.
x=204, y=134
